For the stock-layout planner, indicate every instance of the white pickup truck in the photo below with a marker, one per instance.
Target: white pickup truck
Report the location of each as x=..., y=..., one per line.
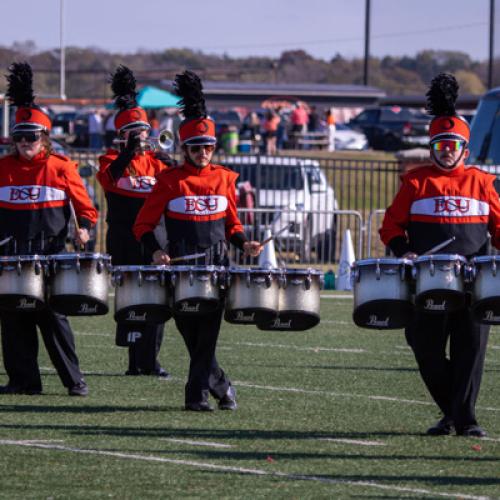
x=293, y=192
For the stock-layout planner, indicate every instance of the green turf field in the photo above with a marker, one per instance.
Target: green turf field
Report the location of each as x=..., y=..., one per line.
x=335, y=412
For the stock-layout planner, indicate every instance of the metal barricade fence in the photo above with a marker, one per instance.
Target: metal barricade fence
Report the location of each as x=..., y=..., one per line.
x=327, y=196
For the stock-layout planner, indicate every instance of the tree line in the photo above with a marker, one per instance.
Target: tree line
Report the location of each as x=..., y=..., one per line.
x=88, y=69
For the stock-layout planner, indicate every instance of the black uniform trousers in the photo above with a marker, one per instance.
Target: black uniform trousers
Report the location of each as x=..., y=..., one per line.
x=143, y=340
x=20, y=348
x=200, y=334
x=453, y=381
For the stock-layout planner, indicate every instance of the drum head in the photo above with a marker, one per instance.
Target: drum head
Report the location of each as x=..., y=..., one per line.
x=195, y=306
x=250, y=315
x=143, y=313
x=291, y=321
x=487, y=311
x=440, y=301
x=78, y=305
x=21, y=303
x=383, y=314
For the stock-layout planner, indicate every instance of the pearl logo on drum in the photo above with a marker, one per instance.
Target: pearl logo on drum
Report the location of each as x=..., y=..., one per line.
x=86, y=309
x=490, y=316
x=24, y=303
x=430, y=306
x=136, y=317
x=379, y=323
x=240, y=316
x=185, y=307
x=277, y=323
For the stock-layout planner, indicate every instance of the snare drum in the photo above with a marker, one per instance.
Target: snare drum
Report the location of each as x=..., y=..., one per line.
x=22, y=283
x=382, y=296
x=78, y=284
x=440, y=282
x=141, y=294
x=253, y=296
x=196, y=289
x=299, y=301
x=486, y=289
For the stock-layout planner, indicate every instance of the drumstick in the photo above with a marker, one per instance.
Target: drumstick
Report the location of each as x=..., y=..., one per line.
x=188, y=257
x=73, y=214
x=267, y=240
x=440, y=246
x=6, y=240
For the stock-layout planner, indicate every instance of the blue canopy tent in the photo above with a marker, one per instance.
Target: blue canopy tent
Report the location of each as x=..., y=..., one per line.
x=154, y=98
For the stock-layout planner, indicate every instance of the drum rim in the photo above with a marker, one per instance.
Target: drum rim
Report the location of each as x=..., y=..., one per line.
x=485, y=258
x=316, y=272
x=142, y=268
x=253, y=270
x=79, y=255
x=382, y=261
x=209, y=268
x=22, y=258
x=448, y=257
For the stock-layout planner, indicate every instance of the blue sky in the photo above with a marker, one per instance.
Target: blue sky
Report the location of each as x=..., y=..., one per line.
x=253, y=27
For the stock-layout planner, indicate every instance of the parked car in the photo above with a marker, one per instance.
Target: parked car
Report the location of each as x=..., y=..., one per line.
x=348, y=138
x=293, y=193
x=392, y=127
x=485, y=131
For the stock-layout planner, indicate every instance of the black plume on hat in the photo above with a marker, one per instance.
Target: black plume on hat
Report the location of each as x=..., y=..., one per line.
x=123, y=85
x=189, y=88
x=20, y=85
x=442, y=95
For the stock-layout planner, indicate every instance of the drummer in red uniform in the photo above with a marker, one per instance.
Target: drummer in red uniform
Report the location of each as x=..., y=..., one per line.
x=36, y=189
x=198, y=202
x=127, y=175
x=435, y=203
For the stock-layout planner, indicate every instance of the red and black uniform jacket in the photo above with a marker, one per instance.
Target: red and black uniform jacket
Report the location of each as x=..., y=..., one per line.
x=127, y=181
x=199, y=208
x=433, y=205
x=34, y=203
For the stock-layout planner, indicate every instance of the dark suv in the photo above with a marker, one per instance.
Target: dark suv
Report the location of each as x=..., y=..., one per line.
x=391, y=127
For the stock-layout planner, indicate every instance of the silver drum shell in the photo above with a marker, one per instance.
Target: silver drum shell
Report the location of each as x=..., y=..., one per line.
x=196, y=289
x=382, y=293
x=299, y=301
x=79, y=283
x=440, y=283
x=253, y=296
x=142, y=294
x=22, y=283
x=486, y=289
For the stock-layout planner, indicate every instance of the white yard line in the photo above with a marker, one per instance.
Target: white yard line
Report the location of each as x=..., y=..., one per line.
x=354, y=441
x=299, y=348
x=493, y=440
x=336, y=297
x=197, y=443
x=241, y=470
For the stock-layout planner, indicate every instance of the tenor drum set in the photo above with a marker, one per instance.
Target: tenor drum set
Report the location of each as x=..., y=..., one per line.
x=77, y=284
x=388, y=290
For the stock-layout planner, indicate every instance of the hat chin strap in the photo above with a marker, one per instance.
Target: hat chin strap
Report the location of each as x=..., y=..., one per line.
x=446, y=167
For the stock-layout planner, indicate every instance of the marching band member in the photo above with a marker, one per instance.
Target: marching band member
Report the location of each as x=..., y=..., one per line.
x=198, y=202
x=433, y=204
x=127, y=175
x=36, y=189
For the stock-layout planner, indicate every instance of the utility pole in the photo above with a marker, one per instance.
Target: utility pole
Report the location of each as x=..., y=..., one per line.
x=367, y=42
x=62, y=61
x=492, y=43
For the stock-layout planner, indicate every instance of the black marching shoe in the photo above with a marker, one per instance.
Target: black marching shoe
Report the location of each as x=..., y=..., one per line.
x=201, y=406
x=443, y=427
x=472, y=431
x=14, y=389
x=162, y=373
x=228, y=401
x=79, y=389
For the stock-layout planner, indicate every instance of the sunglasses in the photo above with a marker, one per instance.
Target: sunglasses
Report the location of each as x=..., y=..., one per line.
x=198, y=147
x=27, y=136
x=452, y=145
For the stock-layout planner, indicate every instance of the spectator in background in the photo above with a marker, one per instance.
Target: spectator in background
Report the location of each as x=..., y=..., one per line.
x=95, y=130
x=270, y=128
x=281, y=135
x=299, y=119
x=109, y=130
x=313, y=123
x=330, y=124
x=155, y=124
